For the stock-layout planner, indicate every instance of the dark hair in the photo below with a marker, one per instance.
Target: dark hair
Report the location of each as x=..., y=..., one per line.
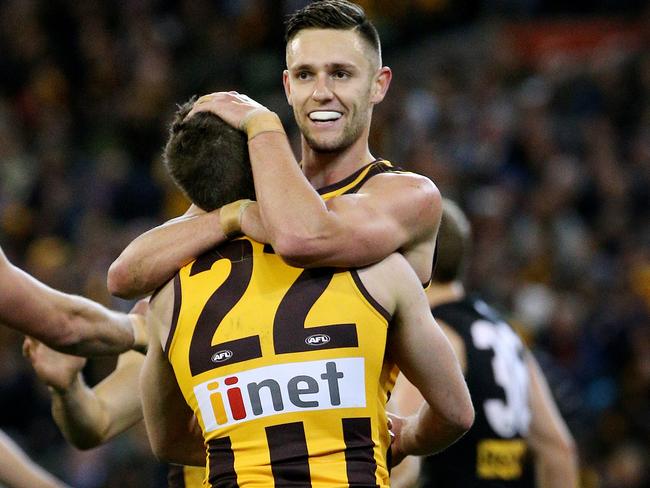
x=453, y=244
x=333, y=14
x=208, y=159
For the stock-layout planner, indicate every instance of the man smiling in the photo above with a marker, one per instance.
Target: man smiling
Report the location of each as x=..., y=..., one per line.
x=364, y=208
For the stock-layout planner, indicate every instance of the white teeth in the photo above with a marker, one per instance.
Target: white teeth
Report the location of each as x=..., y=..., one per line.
x=325, y=115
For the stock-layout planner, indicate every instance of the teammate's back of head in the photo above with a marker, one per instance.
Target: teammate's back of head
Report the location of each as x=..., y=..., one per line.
x=208, y=159
x=453, y=244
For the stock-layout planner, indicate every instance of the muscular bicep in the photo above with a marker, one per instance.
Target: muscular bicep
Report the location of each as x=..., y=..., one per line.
x=392, y=213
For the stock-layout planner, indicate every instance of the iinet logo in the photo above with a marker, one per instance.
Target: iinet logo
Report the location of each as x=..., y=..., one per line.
x=271, y=390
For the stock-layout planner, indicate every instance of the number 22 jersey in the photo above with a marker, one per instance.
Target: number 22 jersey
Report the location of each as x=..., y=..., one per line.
x=284, y=369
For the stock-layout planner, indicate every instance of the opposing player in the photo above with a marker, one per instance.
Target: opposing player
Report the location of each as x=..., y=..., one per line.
x=346, y=207
x=288, y=370
x=516, y=417
x=69, y=323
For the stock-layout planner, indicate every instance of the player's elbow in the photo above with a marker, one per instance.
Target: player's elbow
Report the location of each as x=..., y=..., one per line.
x=121, y=280
x=461, y=418
x=297, y=250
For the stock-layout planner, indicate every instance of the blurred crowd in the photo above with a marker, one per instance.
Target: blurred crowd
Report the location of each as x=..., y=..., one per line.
x=535, y=120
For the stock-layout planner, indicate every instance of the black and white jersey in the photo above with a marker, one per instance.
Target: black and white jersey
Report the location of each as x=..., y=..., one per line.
x=494, y=451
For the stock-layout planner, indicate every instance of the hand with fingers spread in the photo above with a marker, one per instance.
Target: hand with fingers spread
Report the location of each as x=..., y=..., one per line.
x=240, y=111
x=57, y=370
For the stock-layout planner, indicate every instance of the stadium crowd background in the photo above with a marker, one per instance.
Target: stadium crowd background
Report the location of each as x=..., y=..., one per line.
x=533, y=115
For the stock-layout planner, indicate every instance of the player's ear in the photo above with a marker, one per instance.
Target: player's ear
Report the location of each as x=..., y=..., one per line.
x=287, y=86
x=380, y=84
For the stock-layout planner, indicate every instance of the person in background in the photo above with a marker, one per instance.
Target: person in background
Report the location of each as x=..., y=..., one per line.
x=517, y=419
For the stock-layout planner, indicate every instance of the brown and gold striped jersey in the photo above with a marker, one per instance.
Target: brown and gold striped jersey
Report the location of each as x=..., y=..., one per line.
x=284, y=368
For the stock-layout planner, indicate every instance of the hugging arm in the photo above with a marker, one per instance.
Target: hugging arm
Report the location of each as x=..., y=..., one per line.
x=423, y=353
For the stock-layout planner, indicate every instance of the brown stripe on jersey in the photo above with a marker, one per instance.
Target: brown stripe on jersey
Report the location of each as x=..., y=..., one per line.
x=359, y=452
x=223, y=299
x=221, y=461
x=378, y=167
x=375, y=304
x=289, y=457
x=175, y=476
x=176, y=312
x=345, y=181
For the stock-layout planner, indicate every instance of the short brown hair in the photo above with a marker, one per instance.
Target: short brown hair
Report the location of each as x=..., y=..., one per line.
x=333, y=14
x=208, y=159
x=453, y=244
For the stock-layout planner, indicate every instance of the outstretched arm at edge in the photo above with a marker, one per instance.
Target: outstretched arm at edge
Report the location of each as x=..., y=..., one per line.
x=67, y=323
x=18, y=471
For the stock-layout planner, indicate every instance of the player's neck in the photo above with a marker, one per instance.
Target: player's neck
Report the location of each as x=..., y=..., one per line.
x=439, y=293
x=323, y=169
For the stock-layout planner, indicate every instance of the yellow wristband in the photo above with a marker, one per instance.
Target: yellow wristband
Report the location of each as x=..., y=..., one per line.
x=230, y=217
x=260, y=122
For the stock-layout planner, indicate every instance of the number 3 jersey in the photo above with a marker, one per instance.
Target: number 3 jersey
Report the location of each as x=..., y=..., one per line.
x=493, y=452
x=284, y=369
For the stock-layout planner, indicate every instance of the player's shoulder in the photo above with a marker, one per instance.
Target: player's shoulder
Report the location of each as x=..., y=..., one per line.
x=408, y=188
x=388, y=279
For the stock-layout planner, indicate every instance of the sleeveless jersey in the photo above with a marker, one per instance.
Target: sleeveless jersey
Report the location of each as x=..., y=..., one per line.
x=493, y=452
x=354, y=182
x=284, y=368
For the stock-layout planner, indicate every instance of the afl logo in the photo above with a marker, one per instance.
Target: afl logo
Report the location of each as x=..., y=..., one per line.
x=317, y=340
x=221, y=356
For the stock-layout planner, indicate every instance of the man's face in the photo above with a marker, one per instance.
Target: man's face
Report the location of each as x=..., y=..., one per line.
x=333, y=79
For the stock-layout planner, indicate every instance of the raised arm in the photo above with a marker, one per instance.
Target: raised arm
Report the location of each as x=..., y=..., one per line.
x=88, y=417
x=554, y=450
x=68, y=323
x=18, y=471
x=171, y=425
x=393, y=212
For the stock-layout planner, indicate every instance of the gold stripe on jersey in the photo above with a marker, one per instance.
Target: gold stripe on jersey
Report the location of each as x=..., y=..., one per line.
x=284, y=369
x=352, y=183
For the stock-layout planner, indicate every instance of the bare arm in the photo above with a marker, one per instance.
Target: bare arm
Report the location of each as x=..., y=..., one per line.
x=423, y=353
x=152, y=258
x=405, y=400
x=556, y=459
x=18, y=471
x=169, y=420
x=68, y=323
x=88, y=417
x=393, y=213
